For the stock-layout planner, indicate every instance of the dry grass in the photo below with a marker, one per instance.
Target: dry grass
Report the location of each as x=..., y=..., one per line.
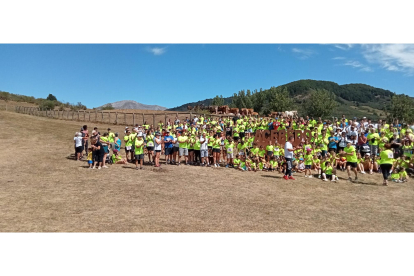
x=42, y=190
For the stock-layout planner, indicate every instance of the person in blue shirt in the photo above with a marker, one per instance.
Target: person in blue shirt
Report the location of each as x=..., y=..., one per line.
x=333, y=143
x=168, y=147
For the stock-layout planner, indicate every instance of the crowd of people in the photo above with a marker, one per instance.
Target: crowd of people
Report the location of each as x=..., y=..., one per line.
x=357, y=146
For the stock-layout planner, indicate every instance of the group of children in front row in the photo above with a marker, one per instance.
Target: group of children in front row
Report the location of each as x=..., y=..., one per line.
x=324, y=166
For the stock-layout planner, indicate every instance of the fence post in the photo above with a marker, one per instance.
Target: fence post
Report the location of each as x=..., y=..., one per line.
x=96, y=115
x=89, y=116
x=165, y=119
x=133, y=119
x=78, y=115
x=109, y=117
x=84, y=115
x=125, y=119
x=143, y=118
x=153, y=119
x=116, y=118
x=191, y=115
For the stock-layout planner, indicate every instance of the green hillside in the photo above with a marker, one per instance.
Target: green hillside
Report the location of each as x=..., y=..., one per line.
x=353, y=99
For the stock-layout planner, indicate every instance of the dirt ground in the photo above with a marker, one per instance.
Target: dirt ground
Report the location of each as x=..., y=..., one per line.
x=43, y=190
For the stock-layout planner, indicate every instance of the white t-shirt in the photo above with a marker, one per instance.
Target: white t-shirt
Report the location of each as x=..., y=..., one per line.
x=156, y=145
x=204, y=146
x=288, y=154
x=78, y=141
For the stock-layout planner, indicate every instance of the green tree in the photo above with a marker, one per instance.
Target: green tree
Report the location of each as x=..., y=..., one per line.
x=218, y=100
x=108, y=107
x=51, y=98
x=48, y=105
x=280, y=100
x=320, y=103
x=402, y=108
x=248, y=99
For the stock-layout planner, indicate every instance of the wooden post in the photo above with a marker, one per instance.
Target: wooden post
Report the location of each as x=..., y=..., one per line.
x=125, y=119
x=143, y=118
x=191, y=115
x=89, y=116
x=84, y=115
x=133, y=119
x=165, y=119
x=96, y=115
x=78, y=115
x=116, y=118
x=153, y=119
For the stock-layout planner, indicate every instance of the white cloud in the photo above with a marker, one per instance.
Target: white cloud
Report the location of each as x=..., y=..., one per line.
x=344, y=47
x=303, y=53
x=157, y=51
x=338, y=58
x=392, y=57
x=359, y=65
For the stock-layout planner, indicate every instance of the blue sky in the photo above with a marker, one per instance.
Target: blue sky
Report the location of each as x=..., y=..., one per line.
x=171, y=75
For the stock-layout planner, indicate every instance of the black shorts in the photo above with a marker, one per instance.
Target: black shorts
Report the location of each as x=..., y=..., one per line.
x=308, y=167
x=329, y=176
x=157, y=150
x=79, y=149
x=352, y=164
x=169, y=151
x=128, y=150
x=175, y=149
x=139, y=157
x=216, y=150
x=150, y=148
x=98, y=158
x=270, y=153
x=190, y=150
x=209, y=147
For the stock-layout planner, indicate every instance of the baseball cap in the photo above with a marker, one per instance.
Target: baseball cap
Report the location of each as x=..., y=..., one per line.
x=115, y=150
x=140, y=135
x=308, y=149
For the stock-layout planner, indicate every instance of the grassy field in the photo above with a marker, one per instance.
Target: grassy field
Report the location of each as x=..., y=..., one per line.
x=43, y=190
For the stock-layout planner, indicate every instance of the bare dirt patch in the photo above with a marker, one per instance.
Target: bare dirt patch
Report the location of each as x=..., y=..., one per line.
x=41, y=190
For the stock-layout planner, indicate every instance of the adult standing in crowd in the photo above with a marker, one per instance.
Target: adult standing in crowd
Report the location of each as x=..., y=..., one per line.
x=386, y=162
x=85, y=138
x=288, y=157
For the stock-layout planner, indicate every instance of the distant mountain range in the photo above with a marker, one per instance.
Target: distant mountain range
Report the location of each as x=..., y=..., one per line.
x=133, y=105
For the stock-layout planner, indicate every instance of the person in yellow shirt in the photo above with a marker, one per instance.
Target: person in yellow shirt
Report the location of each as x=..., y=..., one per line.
x=139, y=151
x=386, y=162
x=351, y=160
x=90, y=161
x=117, y=159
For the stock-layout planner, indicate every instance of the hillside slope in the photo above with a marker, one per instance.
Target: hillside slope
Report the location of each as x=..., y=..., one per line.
x=364, y=100
x=133, y=105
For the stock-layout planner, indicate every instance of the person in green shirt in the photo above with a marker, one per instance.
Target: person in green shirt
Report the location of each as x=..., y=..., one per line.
x=216, y=150
x=229, y=146
x=128, y=145
x=139, y=151
x=308, y=163
x=269, y=149
x=373, y=141
x=111, y=138
x=386, y=162
x=328, y=174
x=351, y=160
x=183, y=147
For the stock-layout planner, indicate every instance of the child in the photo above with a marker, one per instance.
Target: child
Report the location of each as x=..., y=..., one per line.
x=301, y=166
x=395, y=176
x=273, y=164
x=117, y=159
x=403, y=175
x=262, y=165
x=308, y=163
x=328, y=173
x=236, y=162
x=269, y=149
x=317, y=165
x=360, y=163
x=242, y=166
x=90, y=162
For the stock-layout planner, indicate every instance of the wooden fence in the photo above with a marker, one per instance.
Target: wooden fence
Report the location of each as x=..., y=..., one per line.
x=107, y=117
